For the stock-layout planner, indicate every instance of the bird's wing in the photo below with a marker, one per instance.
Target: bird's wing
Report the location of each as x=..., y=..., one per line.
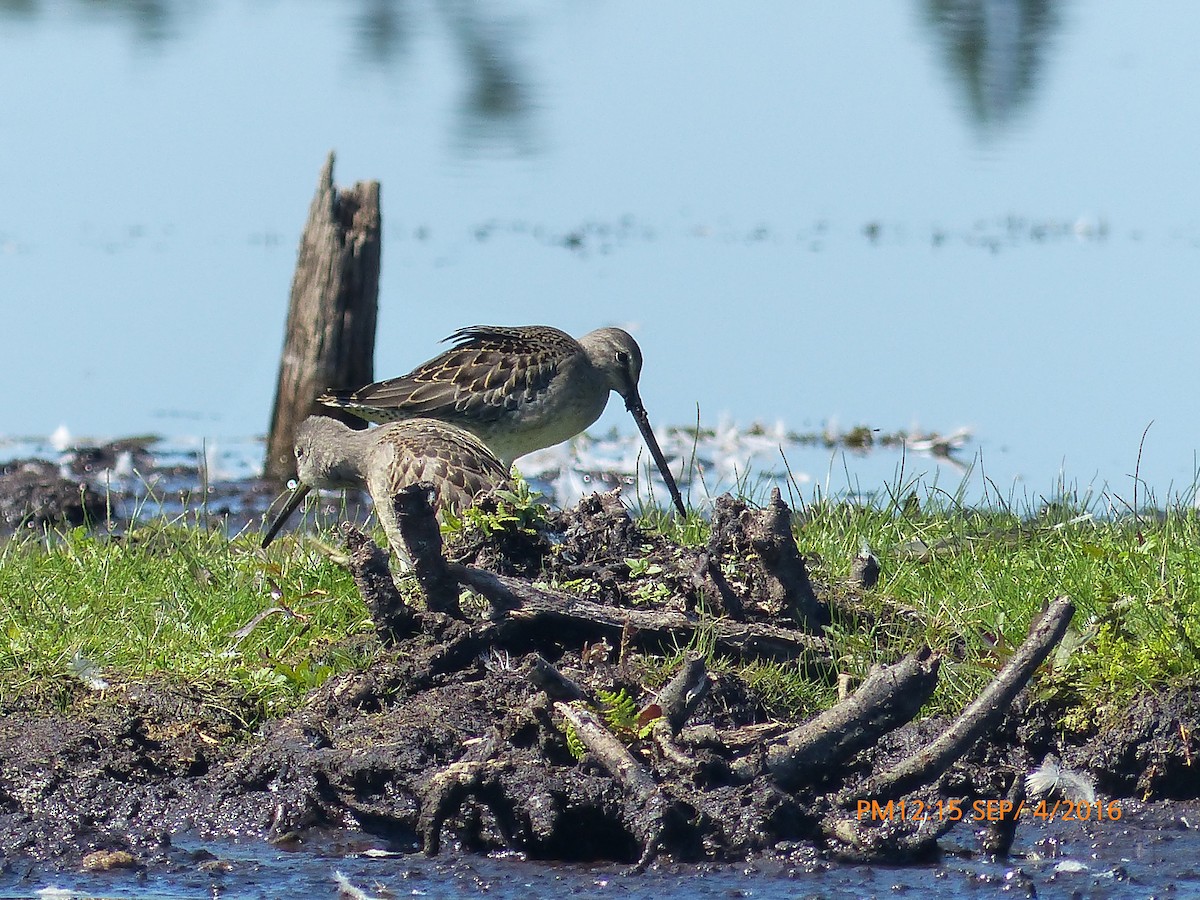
x=458, y=464
x=490, y=369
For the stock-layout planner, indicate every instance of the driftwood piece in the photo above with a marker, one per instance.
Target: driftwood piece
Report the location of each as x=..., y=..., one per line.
x=521, y=602
x=330, y=337
x=646, y=798
x=422, y=539
x=982, y=713
x=369, y=568
x=679, y=697
x=558, y=686
x=770, y=532
x=891, y=696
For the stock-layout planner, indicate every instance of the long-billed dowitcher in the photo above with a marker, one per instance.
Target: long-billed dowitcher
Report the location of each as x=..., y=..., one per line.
x=518, y=389
x=383, y=460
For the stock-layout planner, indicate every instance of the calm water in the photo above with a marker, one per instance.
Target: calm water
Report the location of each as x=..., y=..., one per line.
x=928, y=213
x=1151, y=852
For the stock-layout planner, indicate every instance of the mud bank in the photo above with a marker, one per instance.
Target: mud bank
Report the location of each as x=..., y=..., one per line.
x=551, y=726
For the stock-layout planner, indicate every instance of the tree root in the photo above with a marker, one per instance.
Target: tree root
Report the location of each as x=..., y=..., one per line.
x=473, y=775
x=742, y=788
x=536, y=608
x=899, y=837
x=982, y=713
x=393, y=620
x=651, y=805
x=891, y=696
x=422, y=539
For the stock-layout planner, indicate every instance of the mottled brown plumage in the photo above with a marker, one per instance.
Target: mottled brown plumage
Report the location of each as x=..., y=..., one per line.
x=518, y=389
x=383, y=460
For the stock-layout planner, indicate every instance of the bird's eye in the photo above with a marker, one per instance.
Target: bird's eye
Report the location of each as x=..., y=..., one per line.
x=623, y=357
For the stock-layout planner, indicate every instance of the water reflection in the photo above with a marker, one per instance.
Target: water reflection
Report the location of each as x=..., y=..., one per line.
x=496, y=107
x=383, y=31
x=18, y=9
x=494, y=112
x=152, y=21
x=995, y=49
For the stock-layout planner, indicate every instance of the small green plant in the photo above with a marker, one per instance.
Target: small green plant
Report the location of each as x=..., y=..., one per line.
x=621, y=713
x=574, y=745
x=516, y=510
x=643, y=566
x=582, y=587
x=619, y=709
x=650, y=592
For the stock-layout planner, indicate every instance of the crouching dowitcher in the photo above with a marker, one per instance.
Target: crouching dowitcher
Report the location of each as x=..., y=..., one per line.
x=386, y=459
x=518, y=389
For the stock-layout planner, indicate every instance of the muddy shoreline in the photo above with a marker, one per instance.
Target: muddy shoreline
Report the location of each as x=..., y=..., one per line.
x=455, y=735
x=126, y=770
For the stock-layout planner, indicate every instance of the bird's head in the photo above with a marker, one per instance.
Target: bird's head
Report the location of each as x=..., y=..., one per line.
x=322, y=457
x=617, y=356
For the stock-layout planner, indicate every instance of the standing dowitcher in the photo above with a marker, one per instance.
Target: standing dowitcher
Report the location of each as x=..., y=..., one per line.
x=383, y=460
x=518, y=389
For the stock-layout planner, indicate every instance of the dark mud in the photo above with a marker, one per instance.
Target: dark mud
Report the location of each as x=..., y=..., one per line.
x=457, y=732
x=36, y=494
x=126, y=771
x=453, y=735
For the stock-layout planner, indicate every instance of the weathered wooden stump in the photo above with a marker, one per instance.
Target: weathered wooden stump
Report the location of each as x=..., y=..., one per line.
x=330, y=339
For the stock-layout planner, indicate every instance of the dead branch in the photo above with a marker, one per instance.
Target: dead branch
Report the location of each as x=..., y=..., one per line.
x=891, y=696
x=330, y=339
x=707, y=571
x=980, y=715
x=629, y=774
x=724, y=526
x=521, y=602
x=393, y=620
x=558, y=686
x=733, y=739
x=681, y=694
x=422, y=539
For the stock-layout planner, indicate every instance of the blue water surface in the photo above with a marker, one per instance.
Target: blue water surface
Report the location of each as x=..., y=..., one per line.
x=922, y=214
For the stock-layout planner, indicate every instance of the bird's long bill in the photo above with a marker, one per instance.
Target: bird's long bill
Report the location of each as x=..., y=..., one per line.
x=298, y=495
x=634, y=405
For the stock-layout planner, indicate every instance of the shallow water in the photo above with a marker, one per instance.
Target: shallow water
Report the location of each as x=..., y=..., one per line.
x=975, y=213
x=1153, y=850
x=144, y=478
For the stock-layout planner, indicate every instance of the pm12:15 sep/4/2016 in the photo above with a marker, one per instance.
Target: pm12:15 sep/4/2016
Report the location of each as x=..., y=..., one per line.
x=954, y=810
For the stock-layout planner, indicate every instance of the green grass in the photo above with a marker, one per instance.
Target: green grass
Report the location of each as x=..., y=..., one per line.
x=1136, y=586
x=968, y=583
x=180, y=601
